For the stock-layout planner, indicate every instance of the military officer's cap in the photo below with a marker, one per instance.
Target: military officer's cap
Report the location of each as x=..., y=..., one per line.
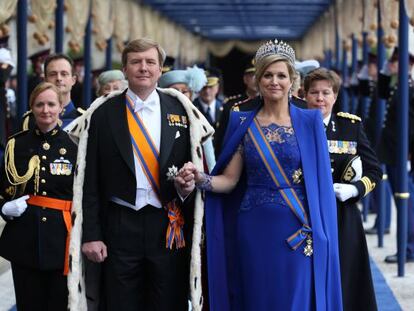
x=40, y=55
x=213, y=76
x=250, y=68
x=168, y=64
x=394, y=56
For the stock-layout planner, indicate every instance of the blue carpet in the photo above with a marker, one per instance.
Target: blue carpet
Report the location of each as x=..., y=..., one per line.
x=386, y=300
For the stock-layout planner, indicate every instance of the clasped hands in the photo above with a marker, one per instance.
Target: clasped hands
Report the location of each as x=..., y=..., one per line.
x=187, y=178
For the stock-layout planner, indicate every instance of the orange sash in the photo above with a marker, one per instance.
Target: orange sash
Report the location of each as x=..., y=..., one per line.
x=147, y=153
x=65, y=207
x=144, y=148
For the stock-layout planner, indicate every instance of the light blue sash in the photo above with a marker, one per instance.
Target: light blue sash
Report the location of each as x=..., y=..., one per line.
x=288, y=193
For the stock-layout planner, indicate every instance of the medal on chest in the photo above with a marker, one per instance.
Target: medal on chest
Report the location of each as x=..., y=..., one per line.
x=61, y=166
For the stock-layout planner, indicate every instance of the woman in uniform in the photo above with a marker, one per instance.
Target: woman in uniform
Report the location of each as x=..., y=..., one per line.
x=355, y=171
x=36, y=191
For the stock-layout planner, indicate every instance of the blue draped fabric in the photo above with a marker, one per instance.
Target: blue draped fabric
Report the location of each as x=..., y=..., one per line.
x=224, y=264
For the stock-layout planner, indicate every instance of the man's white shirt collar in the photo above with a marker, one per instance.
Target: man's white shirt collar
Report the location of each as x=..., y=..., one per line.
x=327, y=119
x=150, y=103
x=206, y=106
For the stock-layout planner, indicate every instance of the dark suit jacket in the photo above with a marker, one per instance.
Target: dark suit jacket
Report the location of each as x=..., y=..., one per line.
x=219, y=109
x=110, y=170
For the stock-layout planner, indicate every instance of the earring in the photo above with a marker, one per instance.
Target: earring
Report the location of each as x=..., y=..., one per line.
x=290, y=93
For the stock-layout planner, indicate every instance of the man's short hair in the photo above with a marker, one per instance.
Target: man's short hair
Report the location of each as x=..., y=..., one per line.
x=57, y=56
x=142, y=45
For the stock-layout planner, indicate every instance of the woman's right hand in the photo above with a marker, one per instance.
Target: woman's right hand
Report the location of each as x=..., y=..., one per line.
x=16, y=207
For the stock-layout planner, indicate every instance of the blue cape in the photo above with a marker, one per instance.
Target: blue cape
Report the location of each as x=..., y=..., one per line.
x=221, y=214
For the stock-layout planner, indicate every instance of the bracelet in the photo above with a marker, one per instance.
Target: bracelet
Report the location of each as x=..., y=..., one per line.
x=206, y=183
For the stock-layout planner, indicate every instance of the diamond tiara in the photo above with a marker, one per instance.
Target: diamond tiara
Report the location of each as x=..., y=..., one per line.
x=275, y=48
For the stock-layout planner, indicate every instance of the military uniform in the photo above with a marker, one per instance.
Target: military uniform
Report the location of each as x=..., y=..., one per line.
x=68, y=114
x=387, y=148
x=35, y=242
x=368, y=88
x=347, y=140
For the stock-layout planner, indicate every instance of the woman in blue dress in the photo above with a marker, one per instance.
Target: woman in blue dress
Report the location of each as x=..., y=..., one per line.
x=270, y=208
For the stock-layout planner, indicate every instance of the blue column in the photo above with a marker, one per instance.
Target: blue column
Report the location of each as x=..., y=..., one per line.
x=402, y=194
x=328, y=59
x=337, y=52
x=87, y=80
x=354, y=64
x=21, y=57
x=364, y=48
x=108, y=54
x=379, y=119
x=59, y=32
x=344, y=69
x=329, y=64
x=365, y=101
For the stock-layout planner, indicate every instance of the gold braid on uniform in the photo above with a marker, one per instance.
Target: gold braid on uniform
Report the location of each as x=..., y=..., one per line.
x=25, y=125
x=11, y=171
x=368, y=184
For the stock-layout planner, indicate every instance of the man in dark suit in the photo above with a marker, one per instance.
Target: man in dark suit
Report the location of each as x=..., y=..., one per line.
x=207, y=102
x=137, y=220
x=59, y=70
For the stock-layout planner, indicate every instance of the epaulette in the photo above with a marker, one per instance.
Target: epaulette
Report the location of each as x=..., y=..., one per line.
x=80, y=110
x=231, y=98
x=26, y=118
x=236, y=105
x=348, y=115
x=18, y=134
x=27, y=113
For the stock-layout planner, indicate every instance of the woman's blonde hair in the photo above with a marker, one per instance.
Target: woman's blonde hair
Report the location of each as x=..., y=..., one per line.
x=40, y=88
x=265, y=62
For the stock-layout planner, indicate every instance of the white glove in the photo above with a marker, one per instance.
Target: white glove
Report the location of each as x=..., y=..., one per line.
x=344, y=192
x=16, y=207
x=357, y=166
x=385, y=70
x=363, y=73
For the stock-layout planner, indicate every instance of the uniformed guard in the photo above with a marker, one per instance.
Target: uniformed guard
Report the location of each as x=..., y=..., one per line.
x=36, y=196
x=6, y=66
x=387, y=84
x=37, y=75
x=59, y=70
x=367, y=87
x=355, y=172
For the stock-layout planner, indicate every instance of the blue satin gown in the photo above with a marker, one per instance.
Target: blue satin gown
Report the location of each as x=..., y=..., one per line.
x=272, y=275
